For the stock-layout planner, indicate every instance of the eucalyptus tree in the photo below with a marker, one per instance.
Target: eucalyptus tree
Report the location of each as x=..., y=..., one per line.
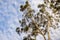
x=34, y=23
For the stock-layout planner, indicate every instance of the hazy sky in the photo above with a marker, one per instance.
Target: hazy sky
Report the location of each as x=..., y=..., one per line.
x=9, y=16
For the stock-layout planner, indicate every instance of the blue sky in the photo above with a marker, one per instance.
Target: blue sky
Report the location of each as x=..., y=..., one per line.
x=9, y=16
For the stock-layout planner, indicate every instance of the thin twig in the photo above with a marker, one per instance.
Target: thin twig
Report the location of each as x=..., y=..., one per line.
x=48, y=30
x=38, y=29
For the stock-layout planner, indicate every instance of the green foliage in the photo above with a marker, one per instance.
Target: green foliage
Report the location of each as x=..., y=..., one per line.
x=26, y=28
x=24, y=7
x=18, y=30
x=39, y=22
